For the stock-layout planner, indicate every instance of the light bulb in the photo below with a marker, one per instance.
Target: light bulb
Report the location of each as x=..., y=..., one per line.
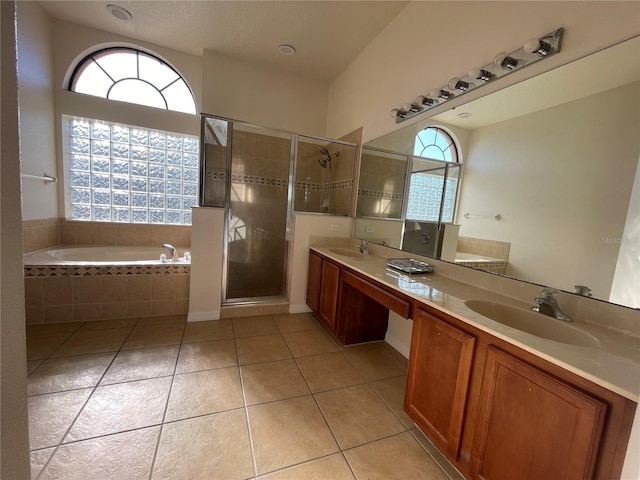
x=407, y=107
x=456, y=84
x=534, y=45
x=480, y=74
x=441, y=94
x=424, y=101
x=394, y=113
x=504, y=61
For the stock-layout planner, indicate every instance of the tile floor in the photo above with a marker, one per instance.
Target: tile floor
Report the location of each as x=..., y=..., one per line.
x=267, y=397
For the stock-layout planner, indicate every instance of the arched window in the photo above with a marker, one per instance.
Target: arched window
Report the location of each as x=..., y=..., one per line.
x=435, y=143
x=130, y=75
x=435, y=177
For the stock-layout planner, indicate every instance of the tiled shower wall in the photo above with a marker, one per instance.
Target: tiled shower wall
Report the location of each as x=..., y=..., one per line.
x=381, y=186
x=40, y=234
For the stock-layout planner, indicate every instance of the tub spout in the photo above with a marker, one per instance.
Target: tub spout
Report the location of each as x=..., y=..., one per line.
x=172, y=250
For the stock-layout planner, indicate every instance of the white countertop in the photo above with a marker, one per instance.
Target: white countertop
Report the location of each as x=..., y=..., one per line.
x=615, y=364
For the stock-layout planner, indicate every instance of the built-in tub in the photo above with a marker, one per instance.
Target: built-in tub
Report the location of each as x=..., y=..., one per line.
x=101, y=255
x=481, y=262
x=104, y=282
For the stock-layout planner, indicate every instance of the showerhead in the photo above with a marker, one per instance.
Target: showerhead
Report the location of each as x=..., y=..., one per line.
x=324, y=162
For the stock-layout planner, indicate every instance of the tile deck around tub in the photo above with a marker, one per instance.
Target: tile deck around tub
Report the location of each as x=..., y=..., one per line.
x=268, y=397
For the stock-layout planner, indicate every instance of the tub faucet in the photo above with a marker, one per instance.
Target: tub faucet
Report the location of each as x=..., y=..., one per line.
x=172, y=251
x=362, y=246
x=548, y=305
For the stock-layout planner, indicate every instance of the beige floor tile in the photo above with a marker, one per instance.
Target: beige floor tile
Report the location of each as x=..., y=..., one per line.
x=222, y=449
x=125, y=455
x=438, y=457
x=141, y=364
x=41, y=346
x=328, y=372
x=99, y=341
x=252, y=326
x=120, y=407
x=392, y=392
x=375, y=362
x=266, y=382
x=32, y=365
x=68, y=373
x=39, y=459
x=205, y=331
x=51, y=415
x=333, y=467
x=296, y=322
x=398, y=457
x=49, y=328
x=206, y=356
x=162, y=321
x=356, y=415
x=288, y=432
x=307, y=343
x=108, y=324
x=154, y=336
x=266, y=348
x=203, y=393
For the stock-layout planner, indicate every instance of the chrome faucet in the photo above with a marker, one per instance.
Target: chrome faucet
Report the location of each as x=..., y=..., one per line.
x=172, y=251
x=362, y=246
x=583, y=290
x=548, y=305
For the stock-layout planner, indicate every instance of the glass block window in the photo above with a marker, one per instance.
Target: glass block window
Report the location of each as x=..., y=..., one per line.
x=425, y=196
x=132, y=76
x=122, y=173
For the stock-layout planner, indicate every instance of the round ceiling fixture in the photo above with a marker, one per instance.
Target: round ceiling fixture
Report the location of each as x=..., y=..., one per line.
x=464, y=115
x=119, y=12
x=286, y=50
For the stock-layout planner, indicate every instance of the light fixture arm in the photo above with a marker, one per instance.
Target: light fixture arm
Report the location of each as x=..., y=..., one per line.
x=534, y=50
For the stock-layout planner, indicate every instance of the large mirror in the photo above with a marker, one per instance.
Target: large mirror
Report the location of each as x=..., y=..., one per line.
x=549, y=187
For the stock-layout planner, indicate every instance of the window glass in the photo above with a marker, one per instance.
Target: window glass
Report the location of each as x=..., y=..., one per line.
x=130, y=75
x=121, y=173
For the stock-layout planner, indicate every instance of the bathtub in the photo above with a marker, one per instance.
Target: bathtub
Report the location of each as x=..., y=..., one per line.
x=78, y=283
x=105, y=255
x=481, y=262
x=474, y=257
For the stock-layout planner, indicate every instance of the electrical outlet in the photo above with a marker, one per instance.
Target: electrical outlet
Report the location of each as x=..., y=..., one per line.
x=334, y=227
x=370, y=229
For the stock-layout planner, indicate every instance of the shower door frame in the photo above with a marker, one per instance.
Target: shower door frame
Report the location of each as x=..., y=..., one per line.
x=227, y=214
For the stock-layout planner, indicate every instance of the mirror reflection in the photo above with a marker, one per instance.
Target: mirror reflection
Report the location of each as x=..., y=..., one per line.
x=545, y=188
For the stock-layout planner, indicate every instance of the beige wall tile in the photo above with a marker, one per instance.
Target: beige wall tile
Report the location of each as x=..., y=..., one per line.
x=67, y=233
x=162, y=287
x=114, y=310
x=86, y=289
x=34, y=315
x=125, y=235
x=33, y=291
x=58, y=313
x=106, y=234
x=139, y=288
x=113, y=289
x=86, y=234
x=162, y=307
x=139, y=309
x=181, y=305
x=87, y=311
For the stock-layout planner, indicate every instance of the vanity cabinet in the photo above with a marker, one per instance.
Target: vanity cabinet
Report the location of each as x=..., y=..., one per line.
x=532, y=426
x=322, y=289
x=499, y=412
x=438, y=379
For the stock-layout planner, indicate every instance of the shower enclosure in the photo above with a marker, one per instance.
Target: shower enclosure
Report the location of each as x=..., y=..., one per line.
x=249, y=171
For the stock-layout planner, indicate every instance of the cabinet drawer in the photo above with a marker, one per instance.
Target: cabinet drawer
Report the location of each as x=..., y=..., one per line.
x=390, y=301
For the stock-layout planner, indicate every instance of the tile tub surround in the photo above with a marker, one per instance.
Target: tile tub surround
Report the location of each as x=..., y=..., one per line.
x=40, y=234
x=67, y=294
x=242, y=398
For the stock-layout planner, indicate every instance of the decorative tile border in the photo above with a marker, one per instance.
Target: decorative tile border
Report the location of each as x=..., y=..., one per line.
x=111, y=270
x=378, y=194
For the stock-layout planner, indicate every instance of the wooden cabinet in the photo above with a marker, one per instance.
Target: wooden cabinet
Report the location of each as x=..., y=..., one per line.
x=532, y=426
x=323, y=281
x=438, y=379
x=500, y=413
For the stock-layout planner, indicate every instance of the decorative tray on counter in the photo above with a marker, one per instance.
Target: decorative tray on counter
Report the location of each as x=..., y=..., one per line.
x=409, y=265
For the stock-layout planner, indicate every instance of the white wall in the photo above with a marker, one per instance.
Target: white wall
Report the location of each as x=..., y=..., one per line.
x=524, y=165
x=35, y=83
x=429, y=42
x=14, y=435
x=262, y=96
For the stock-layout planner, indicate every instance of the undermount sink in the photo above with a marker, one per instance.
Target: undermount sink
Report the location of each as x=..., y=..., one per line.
x=345, y=252
x=534, y=323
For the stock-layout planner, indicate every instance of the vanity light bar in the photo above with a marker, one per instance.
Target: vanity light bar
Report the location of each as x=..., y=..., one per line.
x=532, y=51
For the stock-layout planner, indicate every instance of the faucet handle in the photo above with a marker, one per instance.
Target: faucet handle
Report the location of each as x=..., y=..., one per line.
x=548, y=292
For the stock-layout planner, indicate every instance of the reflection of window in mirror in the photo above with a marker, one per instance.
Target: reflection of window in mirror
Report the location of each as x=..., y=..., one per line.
x=435, y=170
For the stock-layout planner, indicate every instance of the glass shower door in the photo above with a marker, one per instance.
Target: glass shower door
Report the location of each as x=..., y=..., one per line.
x=258, y=214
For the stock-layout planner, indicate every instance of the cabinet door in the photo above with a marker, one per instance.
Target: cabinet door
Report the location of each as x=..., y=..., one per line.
x=438, y=380
x=532, y=426
x=313, y=281
x=329, y=294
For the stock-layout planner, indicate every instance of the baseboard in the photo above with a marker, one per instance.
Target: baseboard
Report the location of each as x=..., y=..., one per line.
x=203, y=316
x=299, y=308
x=397, y=344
